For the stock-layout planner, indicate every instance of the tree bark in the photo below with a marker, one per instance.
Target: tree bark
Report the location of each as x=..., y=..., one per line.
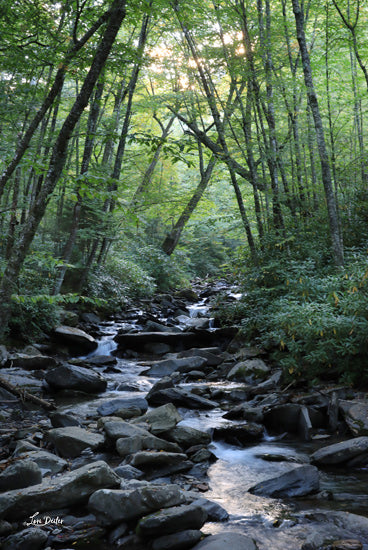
x=57, y=161
x=337, y=247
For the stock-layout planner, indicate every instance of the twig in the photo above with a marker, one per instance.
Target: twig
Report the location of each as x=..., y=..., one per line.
x=24, y=395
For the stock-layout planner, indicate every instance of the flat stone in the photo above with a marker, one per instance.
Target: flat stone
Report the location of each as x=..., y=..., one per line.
x=128, y=445
x=115, y=506
x=75, y=337
x=63, y=420
x=299, y=481
x=63, y=491
x=151, y=459
x=32, y=538
x=117, y=429
x=71, y=441
x=169, y=366
x=180, y=397
x=185, y=436
x=338, y=453
x=126, y=471
x=30, y=362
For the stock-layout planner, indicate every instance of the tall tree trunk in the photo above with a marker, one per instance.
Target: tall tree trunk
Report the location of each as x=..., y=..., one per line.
x=57, y=161
x=337, y=247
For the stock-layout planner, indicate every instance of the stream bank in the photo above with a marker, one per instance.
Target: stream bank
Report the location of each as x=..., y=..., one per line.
x=160, y=409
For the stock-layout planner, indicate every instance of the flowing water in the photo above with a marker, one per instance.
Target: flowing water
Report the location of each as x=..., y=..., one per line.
x=274, y=523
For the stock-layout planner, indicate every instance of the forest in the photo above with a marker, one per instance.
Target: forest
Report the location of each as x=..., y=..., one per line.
x=145, y=143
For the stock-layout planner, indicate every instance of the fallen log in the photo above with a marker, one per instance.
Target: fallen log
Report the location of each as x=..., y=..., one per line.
x=26, y=396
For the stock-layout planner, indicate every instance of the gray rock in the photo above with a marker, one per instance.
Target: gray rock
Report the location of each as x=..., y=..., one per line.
x=215, y=512
x=338, y=453
x=117, y=429
x=66, y=490
x=172, y=520
x=185, y=436
x=145, y=459
x=355, y=414
x=299, y=481
x=101, y=360
x=250, y=367
x=22, y=473
x=122, y=407
x=32, y=538
x=168, y=366
x=235, y=541
x=72, y=377
x=128, y=445
x=75, y=337
x=212, y=355
x=245, y=412
x=177, y=541
x=30, y=362
x=71, y=441
x=63, y=420
x=283, y=418
x=126, y=471
x=162, y=419
x=3, y=355
x=47, y=462
x=115, y=506
x=131, y=542
x=180, y=397
x=24, y=446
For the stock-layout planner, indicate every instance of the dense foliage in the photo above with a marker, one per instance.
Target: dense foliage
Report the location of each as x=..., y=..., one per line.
x=144, y=142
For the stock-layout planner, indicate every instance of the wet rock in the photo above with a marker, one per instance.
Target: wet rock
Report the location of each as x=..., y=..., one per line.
x=22, y=473
x=239, y=434
x=235, y=541
x=47, y=462
x=71, y=441
x=72, y=377
x=338, y=453
x=160, y=420
x=185, y=436
x=125, y=408
x=177, y=541
x=164, y=383
x=169, y=366
x=30, y=362
x=172, y=520
x=250, y=367
x=286, y=456
x=131, y=542
x=355, y=414
x=215, y=512
x=63, y=420
x=154, y=326
x=128, y=445
x=147, y=459
x=63, y=491
x=192, y=322
x=300, y=481
x=305, y=425
x=180, y=397
x=75, y=337
x=115, y=506
x=101, y=360
x=32, y=538
x=345, y=545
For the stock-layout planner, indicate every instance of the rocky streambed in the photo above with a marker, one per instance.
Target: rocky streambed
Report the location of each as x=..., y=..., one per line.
x=168, y=433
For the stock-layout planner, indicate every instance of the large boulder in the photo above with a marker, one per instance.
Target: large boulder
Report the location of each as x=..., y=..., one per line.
x=235, y=541
x=339, y=453
x=212, y=355
x=299, y=481
x=72, y=377
x=75, y=337
x=172, y=520
x=63, y=491
x=251, y=367
x=239, y=434
x=182, y=540
x=185, y=436
x=71, y=441
x=20, y=474
x=112, y=506
x=162, y=419
x=115, y=429
x=32, y=538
